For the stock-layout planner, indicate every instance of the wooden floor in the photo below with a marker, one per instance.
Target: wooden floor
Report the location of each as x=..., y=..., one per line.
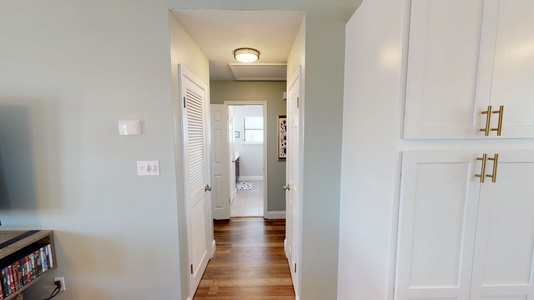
x=249, y=262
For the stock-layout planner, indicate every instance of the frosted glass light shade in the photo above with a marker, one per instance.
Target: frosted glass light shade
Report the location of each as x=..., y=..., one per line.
x=246, y=55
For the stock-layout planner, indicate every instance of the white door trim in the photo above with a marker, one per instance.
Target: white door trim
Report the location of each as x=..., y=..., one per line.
x=264, y=103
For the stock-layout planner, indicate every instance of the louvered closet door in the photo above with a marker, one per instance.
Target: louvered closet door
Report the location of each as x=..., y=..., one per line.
x=198, y=214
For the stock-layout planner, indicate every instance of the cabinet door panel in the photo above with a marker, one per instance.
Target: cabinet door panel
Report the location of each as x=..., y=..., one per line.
x=503, y=264
x=442, y=69
x=436, y=225
x=513, y=75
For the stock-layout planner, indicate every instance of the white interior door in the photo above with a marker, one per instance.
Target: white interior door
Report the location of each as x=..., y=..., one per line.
x=220, y=162
x=231, y=149
x=437, y=222
x=504, y=264
x=293, y=163
x=193, y=94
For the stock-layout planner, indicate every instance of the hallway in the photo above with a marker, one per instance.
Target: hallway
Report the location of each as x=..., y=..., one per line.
x=249, y=262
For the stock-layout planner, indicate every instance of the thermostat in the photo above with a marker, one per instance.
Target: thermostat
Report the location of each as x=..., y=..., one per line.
x=129, y=127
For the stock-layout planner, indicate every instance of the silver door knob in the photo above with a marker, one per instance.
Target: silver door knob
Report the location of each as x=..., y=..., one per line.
x=286, y=187
x=207, y=188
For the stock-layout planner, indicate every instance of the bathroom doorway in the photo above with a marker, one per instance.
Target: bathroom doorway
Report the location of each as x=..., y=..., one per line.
x=250, y=143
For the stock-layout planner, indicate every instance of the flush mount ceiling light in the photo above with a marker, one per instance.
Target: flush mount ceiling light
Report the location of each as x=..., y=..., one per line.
x=246, y=55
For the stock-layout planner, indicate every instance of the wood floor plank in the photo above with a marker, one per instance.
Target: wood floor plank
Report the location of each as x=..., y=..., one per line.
x=249, y=262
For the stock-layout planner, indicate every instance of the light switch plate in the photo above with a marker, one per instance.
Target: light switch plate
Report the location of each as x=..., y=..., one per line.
x=148, y=168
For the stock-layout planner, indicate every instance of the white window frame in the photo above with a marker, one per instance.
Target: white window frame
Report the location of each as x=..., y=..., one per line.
x=262, y=129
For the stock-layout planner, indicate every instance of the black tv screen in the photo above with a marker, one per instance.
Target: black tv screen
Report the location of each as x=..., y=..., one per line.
x=17, y=172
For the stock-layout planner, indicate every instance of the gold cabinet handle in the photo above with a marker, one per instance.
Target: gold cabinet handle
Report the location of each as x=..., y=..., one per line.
x=482, y=174
x=487, y=129
x=499, y=125
x=495, y=160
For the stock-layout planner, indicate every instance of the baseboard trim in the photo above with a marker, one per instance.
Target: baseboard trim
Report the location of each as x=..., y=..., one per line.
x=250, y=178
x=276, y=215
x=212, y=248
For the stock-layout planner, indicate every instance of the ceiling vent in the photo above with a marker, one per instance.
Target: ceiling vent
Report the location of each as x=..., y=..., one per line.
x=260, y=72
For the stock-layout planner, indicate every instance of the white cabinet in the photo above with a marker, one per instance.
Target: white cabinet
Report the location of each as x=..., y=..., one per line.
x=464, y=56
x=503, y=261
x=460, y=238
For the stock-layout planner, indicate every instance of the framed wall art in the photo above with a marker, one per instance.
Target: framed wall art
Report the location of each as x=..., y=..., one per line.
x=282, y=137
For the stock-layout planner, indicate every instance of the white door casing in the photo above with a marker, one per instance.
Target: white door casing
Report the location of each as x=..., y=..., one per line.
x=232, y=103
x=231, y=149
x=220, y=162
x=194, y=115
x=293, y=166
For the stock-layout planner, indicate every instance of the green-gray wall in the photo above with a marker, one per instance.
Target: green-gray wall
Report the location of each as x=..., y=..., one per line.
x=72, y=69
x=323, y=114
x=271, y=92
x=184, y=51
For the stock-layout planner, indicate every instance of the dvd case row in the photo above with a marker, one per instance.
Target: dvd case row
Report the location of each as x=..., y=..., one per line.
x=16, y=273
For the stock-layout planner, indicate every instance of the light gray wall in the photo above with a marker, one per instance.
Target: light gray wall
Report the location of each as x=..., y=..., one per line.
x=271, y=92
x=76, y=68
x=323, y=113
x=250, y=155
x=183, y=51
x=69, y=71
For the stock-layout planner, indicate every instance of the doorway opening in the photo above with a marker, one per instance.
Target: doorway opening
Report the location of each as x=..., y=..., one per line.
x=250, y=142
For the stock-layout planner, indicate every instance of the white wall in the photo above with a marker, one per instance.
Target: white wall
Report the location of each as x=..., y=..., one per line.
x=250, y=155
x=370, y=162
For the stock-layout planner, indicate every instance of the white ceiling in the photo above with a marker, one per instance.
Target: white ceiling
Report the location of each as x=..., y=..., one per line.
x=219, y=32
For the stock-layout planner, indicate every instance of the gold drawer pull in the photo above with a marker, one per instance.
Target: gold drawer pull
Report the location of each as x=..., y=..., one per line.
x=482, y=174
x=493, y=176
x=499, y=125
x=487, y=129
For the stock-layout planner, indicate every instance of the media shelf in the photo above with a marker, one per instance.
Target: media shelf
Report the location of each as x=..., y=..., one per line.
x=26, y=254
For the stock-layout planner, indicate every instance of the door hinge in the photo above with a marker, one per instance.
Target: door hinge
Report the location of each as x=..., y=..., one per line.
x=191, y=269
x=295, y=268
x=298, y=102
x=184, y=102
x=229, y=200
